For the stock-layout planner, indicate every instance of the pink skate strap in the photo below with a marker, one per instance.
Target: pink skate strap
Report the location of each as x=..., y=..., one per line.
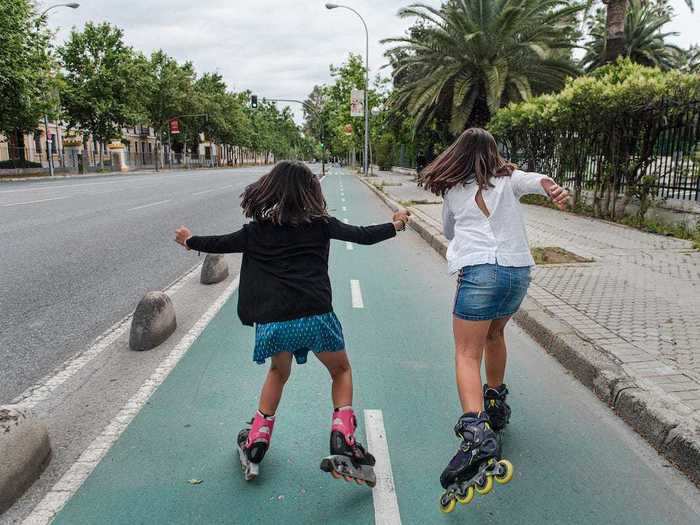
x=261, y=429
x=344, y=422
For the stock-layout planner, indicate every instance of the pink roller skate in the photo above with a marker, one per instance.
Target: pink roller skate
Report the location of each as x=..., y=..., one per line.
x=253, y=442
x=348, y=460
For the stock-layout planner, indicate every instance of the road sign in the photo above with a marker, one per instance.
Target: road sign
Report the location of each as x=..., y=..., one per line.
x=357, y=103
x=174, y=126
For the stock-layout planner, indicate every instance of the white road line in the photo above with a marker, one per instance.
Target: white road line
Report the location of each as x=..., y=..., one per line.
x=345, y=208
x=41, y=391
x=348, y=245
x=53, y=186
x=342, y=200
x=149, y=205
x=70, y=482
x=346, y=221
x=356, y=292
x=34, y=202
x=386, y=506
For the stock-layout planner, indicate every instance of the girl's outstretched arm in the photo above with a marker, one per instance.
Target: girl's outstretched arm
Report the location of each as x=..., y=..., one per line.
x=366, y=234
x=536, y=183
x=232, y=243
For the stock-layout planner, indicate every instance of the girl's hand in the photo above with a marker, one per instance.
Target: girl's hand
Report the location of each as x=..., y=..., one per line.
x=559, y=195
x=181, y=236
x=401, y=216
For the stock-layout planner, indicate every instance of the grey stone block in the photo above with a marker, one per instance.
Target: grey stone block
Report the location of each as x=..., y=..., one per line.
x=214, y=269
x=682, y=447
x=153, y=322
x=25, y=451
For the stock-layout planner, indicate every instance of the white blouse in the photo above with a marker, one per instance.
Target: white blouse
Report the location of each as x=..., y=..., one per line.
x=499, y=238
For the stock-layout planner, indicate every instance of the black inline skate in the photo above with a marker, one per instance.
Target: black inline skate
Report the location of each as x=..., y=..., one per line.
x=348, y=460
x=496, y=406
x=475, y=465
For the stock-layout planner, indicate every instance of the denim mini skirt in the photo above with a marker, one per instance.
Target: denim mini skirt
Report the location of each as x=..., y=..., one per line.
x=315, y=333
x=490, y=291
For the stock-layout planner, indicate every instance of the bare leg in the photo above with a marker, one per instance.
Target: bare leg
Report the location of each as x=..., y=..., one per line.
x=495, y=355
x=341, y=374
x=470, y=339
x=277, y=375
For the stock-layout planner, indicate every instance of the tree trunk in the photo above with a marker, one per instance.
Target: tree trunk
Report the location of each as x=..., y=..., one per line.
x=615, y=24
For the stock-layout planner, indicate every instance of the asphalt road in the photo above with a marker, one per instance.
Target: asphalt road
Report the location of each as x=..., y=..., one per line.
x=575, y=461
x=77, y=254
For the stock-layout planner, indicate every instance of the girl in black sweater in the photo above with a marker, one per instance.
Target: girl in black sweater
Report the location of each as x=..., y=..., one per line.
x=285, y=292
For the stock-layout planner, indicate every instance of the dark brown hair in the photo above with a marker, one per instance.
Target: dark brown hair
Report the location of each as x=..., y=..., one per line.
x=472, y=157
x=290, y=194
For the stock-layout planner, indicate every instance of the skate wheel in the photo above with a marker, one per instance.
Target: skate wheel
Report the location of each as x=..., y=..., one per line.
x=447, y=502
x=360, y=481
x=347, y=478
x=467, y=497
x=486, y=487
x=506, y=468
x=335, y=474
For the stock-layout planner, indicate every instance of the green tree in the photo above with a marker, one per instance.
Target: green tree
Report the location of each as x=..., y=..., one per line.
x=102, y=82
x=644, y=39
x=168, y=88
x=470, y=57
x=25, y=66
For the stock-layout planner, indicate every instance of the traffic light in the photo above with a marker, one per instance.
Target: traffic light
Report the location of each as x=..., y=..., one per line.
x=254, y=101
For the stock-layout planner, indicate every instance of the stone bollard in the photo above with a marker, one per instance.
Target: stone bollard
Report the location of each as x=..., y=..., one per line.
x=25, y=451
x=153, y=322
x=214, y=269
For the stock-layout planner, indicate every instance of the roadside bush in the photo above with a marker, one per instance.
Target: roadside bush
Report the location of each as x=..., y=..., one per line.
x=602, y=131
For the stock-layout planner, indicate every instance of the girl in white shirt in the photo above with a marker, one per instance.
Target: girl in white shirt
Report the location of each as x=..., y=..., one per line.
x=488, y=247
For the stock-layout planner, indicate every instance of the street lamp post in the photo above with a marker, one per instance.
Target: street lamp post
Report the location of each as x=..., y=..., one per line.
x=49, y=154
x=366, y=148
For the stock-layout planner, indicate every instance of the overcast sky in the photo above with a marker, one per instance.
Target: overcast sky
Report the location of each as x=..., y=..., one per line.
x=275, y=48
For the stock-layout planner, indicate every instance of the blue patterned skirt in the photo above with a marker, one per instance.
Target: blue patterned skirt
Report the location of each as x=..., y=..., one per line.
x=316, y=333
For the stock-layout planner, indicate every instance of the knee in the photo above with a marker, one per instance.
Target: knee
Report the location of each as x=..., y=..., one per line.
x=340, y=370
x=281, y=374
x=495, y=334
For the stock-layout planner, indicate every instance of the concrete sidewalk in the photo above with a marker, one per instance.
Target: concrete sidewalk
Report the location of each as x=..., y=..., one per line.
x=626, y=324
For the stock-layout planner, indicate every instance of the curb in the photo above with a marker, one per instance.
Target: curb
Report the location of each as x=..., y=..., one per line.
x=652, y=414
x=25, y=451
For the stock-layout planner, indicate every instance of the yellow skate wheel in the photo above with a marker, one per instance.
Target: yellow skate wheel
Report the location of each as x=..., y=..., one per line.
x=447, y=503
x=468, y=496
x=507, y=475
x=486, y=487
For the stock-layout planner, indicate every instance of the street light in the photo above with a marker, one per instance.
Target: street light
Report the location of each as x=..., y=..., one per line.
x=49, y=154
x=72, y=5
x=366, y=148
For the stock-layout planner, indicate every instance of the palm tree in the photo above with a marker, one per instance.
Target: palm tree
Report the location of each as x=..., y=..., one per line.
x=467, y=58
x=643, y=40
x=615, y=26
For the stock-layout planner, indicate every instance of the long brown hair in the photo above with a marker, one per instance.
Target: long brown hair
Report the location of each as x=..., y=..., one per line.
x=290, y=194
x=472, y=157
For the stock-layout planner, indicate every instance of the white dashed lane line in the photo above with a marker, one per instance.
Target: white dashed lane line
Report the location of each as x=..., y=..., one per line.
x=345, y=208
x=148, y=205
x=348, y=245
x=34, y=202
x=346, y=221
x=356, y=293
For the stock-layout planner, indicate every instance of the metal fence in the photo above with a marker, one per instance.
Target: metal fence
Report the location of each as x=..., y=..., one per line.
x=654, y=152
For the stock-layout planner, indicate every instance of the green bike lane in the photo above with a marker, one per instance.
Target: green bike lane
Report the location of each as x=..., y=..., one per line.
x=574, y=461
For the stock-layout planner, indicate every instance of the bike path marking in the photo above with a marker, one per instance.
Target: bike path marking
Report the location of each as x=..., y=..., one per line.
x=356, y=292
x=386, y=506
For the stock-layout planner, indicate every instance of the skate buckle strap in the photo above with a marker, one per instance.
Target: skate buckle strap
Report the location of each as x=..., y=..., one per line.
x=261, y=430
x=344, y=421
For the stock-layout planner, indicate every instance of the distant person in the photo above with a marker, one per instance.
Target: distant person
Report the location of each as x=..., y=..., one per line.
x=285, y=291
x=420, y=162
x=488, y=249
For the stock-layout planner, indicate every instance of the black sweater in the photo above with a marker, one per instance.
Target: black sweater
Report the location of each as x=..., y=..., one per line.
x=284, y=273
